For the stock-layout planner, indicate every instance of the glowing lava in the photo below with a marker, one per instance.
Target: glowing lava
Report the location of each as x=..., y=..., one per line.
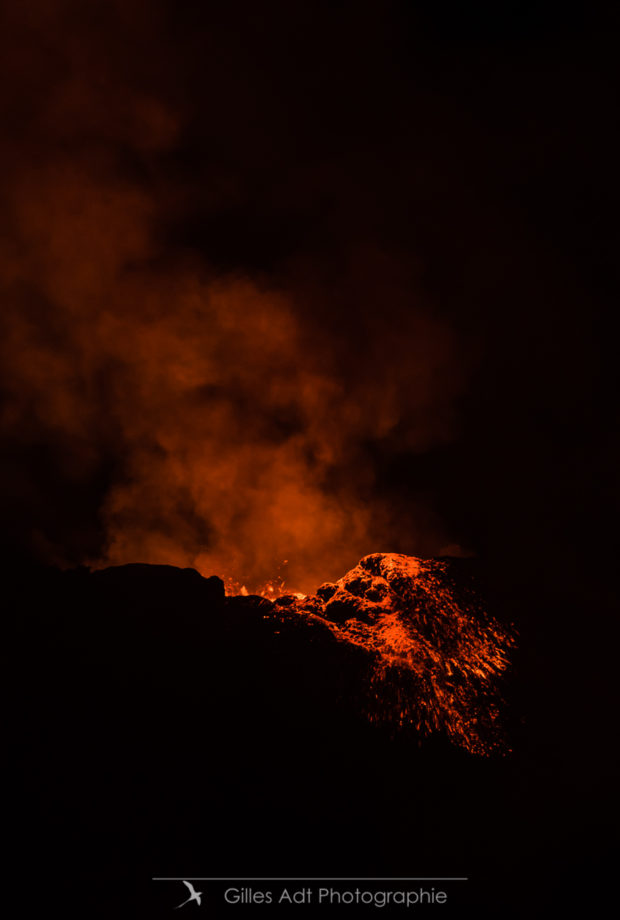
x=272, y=590
x=437, y=656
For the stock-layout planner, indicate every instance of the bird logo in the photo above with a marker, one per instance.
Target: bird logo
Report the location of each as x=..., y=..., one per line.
x=193, y=895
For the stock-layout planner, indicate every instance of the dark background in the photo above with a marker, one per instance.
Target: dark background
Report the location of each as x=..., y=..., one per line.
x=463, y=159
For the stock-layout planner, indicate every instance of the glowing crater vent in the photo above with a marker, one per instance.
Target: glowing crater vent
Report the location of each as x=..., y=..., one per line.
x=438, y=657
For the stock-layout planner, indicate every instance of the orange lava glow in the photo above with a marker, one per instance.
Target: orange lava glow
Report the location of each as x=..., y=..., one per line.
x=437, y=655
x=272, y=590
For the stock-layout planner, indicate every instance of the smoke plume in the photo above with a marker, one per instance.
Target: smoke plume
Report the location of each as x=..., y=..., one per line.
x=207, y=403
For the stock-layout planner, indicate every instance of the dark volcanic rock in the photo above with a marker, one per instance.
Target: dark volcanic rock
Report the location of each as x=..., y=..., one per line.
x=438, y=657
x=162, y=728
x=138, y=579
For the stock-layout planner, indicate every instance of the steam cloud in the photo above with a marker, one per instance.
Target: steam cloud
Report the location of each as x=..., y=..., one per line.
x=217, y=412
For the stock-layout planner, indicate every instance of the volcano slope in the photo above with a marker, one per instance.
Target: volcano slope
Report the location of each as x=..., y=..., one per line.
x=163, y=728
x=436, y=656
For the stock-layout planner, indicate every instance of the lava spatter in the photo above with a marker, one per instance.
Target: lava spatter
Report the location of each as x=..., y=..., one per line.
x=437, y=656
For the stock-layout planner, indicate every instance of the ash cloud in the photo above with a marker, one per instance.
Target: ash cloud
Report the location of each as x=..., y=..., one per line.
x=206, y=330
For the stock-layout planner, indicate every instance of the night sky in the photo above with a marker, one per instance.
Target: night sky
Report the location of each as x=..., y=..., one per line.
x=405, y=213
x=307, y=281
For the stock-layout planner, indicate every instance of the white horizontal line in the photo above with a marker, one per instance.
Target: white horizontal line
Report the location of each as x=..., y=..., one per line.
x=243, y=878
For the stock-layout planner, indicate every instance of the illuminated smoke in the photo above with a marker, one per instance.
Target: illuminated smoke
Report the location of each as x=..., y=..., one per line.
x=222, y=417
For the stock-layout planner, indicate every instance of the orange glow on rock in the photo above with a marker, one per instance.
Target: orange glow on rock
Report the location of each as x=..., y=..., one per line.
x=437, y=655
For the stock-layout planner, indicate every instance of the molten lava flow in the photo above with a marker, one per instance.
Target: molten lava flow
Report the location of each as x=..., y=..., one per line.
x=272, y=589
x=437, y=656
